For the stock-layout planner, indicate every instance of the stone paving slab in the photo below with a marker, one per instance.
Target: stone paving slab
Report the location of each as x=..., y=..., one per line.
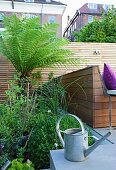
x=102, y=158
x=103, y=131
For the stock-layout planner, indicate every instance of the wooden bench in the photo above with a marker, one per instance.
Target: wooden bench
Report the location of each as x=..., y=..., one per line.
x=86, y=97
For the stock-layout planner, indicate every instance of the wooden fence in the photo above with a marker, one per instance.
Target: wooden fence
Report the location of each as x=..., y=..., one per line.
x=89, y=53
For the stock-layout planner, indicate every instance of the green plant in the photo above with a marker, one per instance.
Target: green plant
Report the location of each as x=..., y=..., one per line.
x=103, y=30
x=91, y=140
x=37, y=75
x=29, y=45
x=89, y=33
x=15, y=117
x=51, y=96
x=3, y=159
x=50, y=75
x=41, y=141
x=27, y=123
x=44, y=137
x=17, y=164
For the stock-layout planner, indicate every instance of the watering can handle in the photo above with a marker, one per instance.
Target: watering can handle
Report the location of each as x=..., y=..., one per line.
x=58, y=127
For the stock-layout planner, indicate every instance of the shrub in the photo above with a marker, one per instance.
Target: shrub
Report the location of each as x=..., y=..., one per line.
x=41, y=141
x=30, y=133
x=44, y=137
x=103, y=30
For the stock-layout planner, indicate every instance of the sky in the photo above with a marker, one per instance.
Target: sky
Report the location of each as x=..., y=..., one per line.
x=73, y=5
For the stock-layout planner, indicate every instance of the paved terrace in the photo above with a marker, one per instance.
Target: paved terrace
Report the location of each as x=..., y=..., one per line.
x=102, y=158
x=103, y=131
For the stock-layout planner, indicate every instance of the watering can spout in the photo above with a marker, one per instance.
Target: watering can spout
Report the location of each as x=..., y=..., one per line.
x=96, y=144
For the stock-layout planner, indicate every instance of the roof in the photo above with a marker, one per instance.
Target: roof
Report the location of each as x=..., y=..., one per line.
x=41, y=2
x=86, y=10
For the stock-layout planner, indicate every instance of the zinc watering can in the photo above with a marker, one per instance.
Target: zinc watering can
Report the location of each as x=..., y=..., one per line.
x=75, y=142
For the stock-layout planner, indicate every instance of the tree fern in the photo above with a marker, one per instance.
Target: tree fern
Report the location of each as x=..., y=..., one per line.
x=29, y=45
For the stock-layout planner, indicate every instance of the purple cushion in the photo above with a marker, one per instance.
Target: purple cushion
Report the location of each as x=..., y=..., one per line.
x=109, y=77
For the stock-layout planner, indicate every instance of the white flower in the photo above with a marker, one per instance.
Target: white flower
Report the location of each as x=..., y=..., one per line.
x=56, y=145
x=49, y=111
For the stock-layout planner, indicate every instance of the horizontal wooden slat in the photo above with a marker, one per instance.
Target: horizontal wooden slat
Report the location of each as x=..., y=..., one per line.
x=92, y=104
x=103, y=98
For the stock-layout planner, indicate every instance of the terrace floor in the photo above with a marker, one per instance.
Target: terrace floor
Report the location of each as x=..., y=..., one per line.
x=103, y=158
x=103, y=131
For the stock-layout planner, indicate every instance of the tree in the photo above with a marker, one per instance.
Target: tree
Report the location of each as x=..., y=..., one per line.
x=29, y=45
x=103, y=30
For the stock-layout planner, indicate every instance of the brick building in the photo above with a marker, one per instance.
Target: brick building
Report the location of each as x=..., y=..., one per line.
x=86, y=14
x=49, y=10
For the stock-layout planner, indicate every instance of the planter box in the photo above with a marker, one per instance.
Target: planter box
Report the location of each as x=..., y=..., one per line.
x=86, y=97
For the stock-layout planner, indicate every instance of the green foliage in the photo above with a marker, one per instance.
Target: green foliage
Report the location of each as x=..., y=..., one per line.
x=18, y=165
x=44, y=137
x=36, y=75
x=93, y=32
x=37, y=116
x=20, y=114
x=29, y=45
x=52, y=96
x=50, y=75
x=103, y=30
x=3, y=159
x=91, y=140
x=15, y=117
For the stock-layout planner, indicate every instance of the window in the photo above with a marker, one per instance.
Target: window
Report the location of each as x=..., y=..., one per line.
x=90, y=18
x=48, y=0
x=92, y=6
x=29, y=0
x=29, y=16
x=107, y=7
x=75, y=25
x=1, y=16
x=73, y=28
x=52, y=19
x=68, y=32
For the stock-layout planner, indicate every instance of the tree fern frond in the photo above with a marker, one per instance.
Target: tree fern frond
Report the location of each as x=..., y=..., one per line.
x=29, y=45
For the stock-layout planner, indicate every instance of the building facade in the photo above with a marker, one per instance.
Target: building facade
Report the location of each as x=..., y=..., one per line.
x=86, y=14
x=49, y=11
